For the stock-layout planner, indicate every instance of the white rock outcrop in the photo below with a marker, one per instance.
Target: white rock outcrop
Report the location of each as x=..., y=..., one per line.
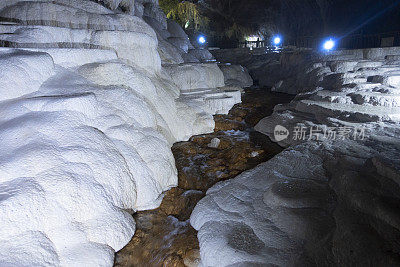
x=88, y=116
x=310, y=205
x=330, y=198
x=23, y=72
x=236, y=75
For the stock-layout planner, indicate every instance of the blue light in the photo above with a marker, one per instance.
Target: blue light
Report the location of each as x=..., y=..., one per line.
x=277, y=40
x=329, y=44
x=201, y=39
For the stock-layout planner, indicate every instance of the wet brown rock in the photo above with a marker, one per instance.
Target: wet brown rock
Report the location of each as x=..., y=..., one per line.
x=192, y=258
x=159, y=240
x=224, y=123
x=180, y=203
x=174, y=261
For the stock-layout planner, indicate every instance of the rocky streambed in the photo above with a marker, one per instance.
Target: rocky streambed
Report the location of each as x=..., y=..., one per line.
x=164, y=236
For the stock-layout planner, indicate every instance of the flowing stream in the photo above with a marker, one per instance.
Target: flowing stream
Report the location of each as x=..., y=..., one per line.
x=164, y=236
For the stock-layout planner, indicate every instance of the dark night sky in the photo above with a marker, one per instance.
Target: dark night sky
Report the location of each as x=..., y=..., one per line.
x=308, y=17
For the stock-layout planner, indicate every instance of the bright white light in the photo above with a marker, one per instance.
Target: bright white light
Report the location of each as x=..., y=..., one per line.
x=253, y=38
x=202, y=39
x=277, y=40
x=329, y=44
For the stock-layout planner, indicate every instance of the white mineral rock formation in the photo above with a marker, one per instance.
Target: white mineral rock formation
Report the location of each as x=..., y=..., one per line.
x=88, y=116
x=214, y=143
x=322, y=201
x=236, y=75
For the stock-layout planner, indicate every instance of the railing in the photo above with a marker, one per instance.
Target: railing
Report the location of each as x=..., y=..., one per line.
x=253, y=44
x=355, y=41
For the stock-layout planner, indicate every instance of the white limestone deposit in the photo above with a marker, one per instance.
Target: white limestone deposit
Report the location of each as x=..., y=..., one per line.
x=324, y=201
x=236, y=75
x=88, y=116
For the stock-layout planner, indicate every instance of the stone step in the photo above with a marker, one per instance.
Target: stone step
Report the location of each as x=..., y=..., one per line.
x=359, y=80
x=216, y=101
x=5, y=22
x=71, y=57
x=349, y=112
x=366, y=72
x=337, y=80
x=198, y=91
x=366, y=86
x=392, y=57
x=220, y=105
x=391, y=80
x=367, y=64
x=189, y=76
x=389, y=69
x=69, y=15
x=342, y=65
x=376, y=99
x=211, y=93
x=135, y=45
x=331, y=96
x=374, y=94
x=384, y=89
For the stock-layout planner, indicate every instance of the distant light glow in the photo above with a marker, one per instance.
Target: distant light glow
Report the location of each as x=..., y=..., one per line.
x=202, y=39
x=254, y=38
x=277, y=40
x=329, y=44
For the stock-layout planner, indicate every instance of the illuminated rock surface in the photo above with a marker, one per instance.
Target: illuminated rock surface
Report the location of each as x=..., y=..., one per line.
x=236, y=75
x=322, y=203
x=88, y=117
